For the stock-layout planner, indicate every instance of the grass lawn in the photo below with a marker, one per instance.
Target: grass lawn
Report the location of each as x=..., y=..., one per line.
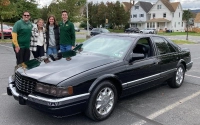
x=80, y=40
x=116, y=31
x=179, y=33
x=5, y=41
x=183, y=42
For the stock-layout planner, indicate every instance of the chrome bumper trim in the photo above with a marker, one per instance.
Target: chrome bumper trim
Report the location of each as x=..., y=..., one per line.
x=48, y=101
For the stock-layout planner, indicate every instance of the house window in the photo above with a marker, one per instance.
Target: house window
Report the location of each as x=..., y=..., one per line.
x=179, y=23
x=134, y=15
x=136, y=7
x=172, y=14
x=150, y=25
x=164, y=15
x=158, y=7
x=179, y=14
x=153, y=24
x=147, y=25
x=182, y=24
x=158, y=25
x=154, y=15
x=141, y=15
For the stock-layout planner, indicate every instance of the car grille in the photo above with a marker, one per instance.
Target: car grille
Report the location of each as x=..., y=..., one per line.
x=24, y=84
x=7, y=33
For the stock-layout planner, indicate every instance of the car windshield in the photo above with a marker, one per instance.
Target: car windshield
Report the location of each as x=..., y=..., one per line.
x=105, y=30
x=4, y=27
x=113, y=46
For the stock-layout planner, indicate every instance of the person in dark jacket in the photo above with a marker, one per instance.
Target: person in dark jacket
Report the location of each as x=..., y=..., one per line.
x=52, y=35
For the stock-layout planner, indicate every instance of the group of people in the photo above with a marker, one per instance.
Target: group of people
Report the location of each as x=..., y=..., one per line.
x=39, y=40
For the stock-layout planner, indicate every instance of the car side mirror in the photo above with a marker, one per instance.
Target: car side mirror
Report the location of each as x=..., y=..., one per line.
x=135, y=56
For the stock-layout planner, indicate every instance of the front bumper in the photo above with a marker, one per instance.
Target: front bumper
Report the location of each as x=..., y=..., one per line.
x=61, y=106
x=189, y=65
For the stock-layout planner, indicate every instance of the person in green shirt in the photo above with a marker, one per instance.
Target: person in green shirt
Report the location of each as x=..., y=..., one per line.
x=21, y=35
x=67, y=33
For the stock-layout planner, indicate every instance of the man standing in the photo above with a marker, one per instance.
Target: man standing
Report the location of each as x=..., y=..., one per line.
x=21, y=35
x=67, y=33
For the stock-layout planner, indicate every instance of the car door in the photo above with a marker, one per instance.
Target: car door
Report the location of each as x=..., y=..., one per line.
x=143, y=73
x=168, y=57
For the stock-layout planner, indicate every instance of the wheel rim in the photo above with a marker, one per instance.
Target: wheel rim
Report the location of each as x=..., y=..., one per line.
x=105, y=101
x=179, y=75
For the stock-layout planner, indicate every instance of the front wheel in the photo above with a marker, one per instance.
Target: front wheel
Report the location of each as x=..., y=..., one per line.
x=177, y=80
x=102, y=101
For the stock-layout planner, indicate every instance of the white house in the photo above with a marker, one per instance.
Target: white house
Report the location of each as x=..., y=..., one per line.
x=197, y=20
x=166, y=15
x=139, y=14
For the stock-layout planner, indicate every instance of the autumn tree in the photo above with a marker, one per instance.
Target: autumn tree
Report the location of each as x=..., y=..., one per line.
x=7, y=11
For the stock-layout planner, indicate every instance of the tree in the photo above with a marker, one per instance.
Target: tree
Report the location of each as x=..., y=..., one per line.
x=73, y=8
x=7, y=11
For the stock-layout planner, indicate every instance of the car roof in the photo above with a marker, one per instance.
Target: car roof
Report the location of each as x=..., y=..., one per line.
x=134, y=35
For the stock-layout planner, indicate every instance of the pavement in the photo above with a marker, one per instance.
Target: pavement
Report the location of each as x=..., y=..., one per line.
x=161, y=105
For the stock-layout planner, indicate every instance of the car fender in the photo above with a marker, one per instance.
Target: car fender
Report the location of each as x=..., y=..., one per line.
x=106, y=77
x=183, y=62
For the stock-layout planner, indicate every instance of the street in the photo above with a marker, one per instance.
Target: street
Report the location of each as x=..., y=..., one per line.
x=161, y=105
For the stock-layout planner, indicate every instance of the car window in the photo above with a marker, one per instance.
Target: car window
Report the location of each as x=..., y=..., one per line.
x=144, y=46
x=95, y=29
x=105, y=30
x=170, y=46
x=113, y=46
x=4, y=27
x=161, y=45
x=177, y=48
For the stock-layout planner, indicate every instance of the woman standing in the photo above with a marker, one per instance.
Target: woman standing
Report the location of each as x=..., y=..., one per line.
x=38, y=39
x=52, y=33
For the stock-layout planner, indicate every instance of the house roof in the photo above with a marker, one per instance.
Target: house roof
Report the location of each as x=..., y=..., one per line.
x=146, y=6
x=127, y=5
x=197, y=19
x=158, y=20
x=168, y=5
x=175, y=5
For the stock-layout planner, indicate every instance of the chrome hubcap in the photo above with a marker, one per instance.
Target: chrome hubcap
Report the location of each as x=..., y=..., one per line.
x=105, y=101
x=179, y=75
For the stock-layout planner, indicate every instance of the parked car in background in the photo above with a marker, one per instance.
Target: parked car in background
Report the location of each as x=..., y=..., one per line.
x=7, y=31
x=90, y=28
x=77, y=29
x=97, y=31
x=95, y=74
x=132, y=30
x=148, y=31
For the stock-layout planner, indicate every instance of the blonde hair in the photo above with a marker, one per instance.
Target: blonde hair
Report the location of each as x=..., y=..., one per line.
x=38, y=20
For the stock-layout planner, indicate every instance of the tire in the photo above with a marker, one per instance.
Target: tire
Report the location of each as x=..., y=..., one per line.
x=141, y=32
x=107, y=101
x=177, y=80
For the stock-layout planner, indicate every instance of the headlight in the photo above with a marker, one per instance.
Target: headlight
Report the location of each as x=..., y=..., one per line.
x=53, y=90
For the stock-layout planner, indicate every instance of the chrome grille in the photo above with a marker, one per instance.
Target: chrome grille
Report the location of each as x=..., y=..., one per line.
x=24, y=85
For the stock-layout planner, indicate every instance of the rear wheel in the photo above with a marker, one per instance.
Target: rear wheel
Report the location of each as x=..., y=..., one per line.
x=102, y=101
x=141, y=32
x=177, y=80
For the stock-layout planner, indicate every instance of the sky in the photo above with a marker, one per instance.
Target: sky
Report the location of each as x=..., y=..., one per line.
x=186, y=4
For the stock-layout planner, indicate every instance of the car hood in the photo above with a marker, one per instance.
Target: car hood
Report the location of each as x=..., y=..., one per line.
x=7, y=30
x=57, y=71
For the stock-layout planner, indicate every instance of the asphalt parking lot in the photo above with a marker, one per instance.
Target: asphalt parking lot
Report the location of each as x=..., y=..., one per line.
x=157, y=106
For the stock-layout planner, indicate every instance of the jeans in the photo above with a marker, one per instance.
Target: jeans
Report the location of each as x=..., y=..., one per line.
x=64, y=48
x=51, y=50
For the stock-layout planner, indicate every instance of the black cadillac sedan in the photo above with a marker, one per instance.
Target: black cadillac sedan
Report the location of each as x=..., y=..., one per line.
x=95, y=74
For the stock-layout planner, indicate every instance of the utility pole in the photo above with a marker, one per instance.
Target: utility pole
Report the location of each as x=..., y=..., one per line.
x=187, y=24
x=87, y=20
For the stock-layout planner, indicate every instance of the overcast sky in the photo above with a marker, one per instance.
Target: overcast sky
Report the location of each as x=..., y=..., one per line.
x=186, y=4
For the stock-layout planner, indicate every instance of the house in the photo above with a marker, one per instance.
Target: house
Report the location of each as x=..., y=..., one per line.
x=139, y=14
x=197, y=20
x=127, y=5
x=166, y=15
